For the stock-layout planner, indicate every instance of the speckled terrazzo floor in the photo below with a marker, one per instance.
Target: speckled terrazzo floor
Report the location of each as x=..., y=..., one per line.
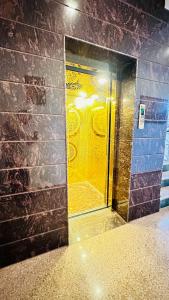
x=129, y=262
x=92, y=224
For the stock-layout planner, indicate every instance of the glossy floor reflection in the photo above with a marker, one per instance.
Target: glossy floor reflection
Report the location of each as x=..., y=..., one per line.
x=92, y=224
x=130, y=262
x=84, y=197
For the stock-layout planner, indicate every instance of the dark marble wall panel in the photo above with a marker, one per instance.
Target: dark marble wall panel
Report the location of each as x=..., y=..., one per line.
x=152, y=71
x=25, y=68
x=143, y=209
x=155, y=110
x=148, y=146
x=124, y=145
x=154, y=129
x=143, y=180
x=150, y=88
x=71, y=22
x=29, y=247
x=148, y=194
x=127, y=16
x=25, y=227
x=29, y=127
x=16, y=97
x=30, y=40
x=153, y=51
x=27, y=154
x=44, y=14
x=148, y=153
x=144, y=194
x=115, y=12
x=153, y=7
x=118, y=13
x=146, y=163
x=26, y=204
x=15, y=181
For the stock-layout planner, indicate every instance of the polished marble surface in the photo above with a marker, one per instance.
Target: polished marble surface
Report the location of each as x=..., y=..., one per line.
x=129, y=262
x=91, y=224
x=32, y=81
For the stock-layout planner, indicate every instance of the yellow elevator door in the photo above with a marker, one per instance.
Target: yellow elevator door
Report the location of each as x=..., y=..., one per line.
x=90, y=105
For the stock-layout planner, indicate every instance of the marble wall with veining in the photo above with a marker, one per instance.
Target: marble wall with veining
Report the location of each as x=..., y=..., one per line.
x=166, y=151
x=33, y=196
x=125, y=121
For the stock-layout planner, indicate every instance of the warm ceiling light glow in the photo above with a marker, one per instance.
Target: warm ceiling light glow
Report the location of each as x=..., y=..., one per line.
x=90, y=101
x=72, y=4
x=102, y=80
x=82, y=94
x=95, y=97
x=80, y=103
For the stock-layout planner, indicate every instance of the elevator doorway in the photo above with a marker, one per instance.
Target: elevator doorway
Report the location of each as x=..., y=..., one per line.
x=90, y=111
x=94, y=81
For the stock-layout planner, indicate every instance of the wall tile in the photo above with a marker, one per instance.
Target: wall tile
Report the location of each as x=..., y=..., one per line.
x=151, y=89
x=21, y=205
x=152, y=129
x=155, y=8
x=72, y=22
x=25, y=68
x=146, y=163
x=27, y=154
x=16, y=97
x=148, y=146
x=116, y=12
x=152, y=71
x=153, y=51
x=156, y=110
x=14, y=181
x=122, y=15
x=27, y=127
x=144, y=195
x=32, y=246
x=145, y=179
x=154, y=99
x=30, y=40
x=143, y=209
x=25, y=227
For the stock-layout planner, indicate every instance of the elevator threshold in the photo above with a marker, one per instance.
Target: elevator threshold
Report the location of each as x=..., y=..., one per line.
x=93, y=223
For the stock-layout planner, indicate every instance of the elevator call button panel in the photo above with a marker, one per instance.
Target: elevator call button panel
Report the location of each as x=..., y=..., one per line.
x=141, y=116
